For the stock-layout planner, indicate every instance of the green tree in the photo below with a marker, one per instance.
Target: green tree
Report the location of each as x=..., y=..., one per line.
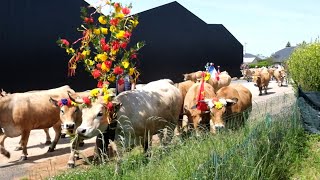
x=288, y=44
x=304, y=65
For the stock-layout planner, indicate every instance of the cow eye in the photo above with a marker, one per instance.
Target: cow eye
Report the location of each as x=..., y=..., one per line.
x=100, y=114
x=62, y=112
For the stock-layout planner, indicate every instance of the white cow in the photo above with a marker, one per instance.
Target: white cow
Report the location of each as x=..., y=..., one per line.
x=139, y=113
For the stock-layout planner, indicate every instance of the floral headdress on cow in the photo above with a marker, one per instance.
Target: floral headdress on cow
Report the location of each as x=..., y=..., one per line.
x=104, y=47
x=66, y=102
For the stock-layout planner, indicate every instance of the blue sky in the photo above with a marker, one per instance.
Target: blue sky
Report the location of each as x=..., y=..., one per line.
x=263, y=27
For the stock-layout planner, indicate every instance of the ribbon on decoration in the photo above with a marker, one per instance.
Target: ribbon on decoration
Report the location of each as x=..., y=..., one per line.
x=201, y=104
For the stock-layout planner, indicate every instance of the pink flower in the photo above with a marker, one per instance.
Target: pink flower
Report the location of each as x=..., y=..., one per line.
x=96, y=73
x=86, y=100
x=65, y=42
x=125, y=10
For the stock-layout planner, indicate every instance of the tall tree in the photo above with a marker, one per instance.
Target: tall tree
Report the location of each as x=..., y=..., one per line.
x=288, y=44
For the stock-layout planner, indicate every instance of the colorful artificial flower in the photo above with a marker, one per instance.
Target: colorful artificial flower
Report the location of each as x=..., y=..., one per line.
x=218, y=105
x=95, y=92
x=120, y=15
x=123, y=45
x=65, y=42
x=96, y=73
x=115, y=45
x=105, y=47
x=89, y=62
x=102, y=57
x=99, y=65
x=70, y=51
x=133, y=56
x=86, y=53
x=86, y=100
x=106, y=97
x=125, y=10
x=131, y=71
x=134, y=22
x=120, y=34
x=117, y=7
x=117, y=70
x=104, y=30
x=113, y=29
x=109, y=106
x=88, y=20
x=96, y=31
x=114, y=52
x=105, y=68
x=120, y=81
x=111, y=78
x=114, y=21
x=127, y=34
x=207, y=76
x=102, y=20
x=100, y=84
x=125, y=64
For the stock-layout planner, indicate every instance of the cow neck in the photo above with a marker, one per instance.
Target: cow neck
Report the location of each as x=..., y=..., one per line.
x=5, y=102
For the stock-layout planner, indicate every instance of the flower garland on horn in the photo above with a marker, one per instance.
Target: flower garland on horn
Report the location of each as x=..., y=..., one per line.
x=103, y=47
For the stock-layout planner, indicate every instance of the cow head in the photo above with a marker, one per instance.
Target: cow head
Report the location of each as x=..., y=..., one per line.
x=96, y=114
x=195, y=76
x=70, y=114
x=218, y=107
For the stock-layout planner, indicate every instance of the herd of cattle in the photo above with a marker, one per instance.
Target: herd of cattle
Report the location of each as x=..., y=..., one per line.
x=135, y=114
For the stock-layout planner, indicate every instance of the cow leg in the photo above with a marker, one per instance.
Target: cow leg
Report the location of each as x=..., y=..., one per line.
x=265, y=90
x=57, y=129
x=195, y=126
x=74, y=150
x=18, y=148
x=2, y=149
x=48, y=138
x=24, y=141
x=184, y=126
x=260, y=90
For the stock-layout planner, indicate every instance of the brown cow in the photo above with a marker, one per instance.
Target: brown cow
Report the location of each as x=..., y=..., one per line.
x=280, y=75
x=237, y=99
x=22, y=112
x=262, y=80
x=194, y=114
x=70, y=116
x=46, y=130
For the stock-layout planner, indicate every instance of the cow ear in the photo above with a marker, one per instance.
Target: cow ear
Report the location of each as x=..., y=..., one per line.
x=117, y=106
x=231, y=101
x=53, y=101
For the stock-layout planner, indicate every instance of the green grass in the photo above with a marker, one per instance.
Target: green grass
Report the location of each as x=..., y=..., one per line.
x=271, y=149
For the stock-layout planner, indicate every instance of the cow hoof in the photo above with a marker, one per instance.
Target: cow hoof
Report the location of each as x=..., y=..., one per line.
x=6, y=154
x=23, y=158
x=50, y=149
x=63, y=135
x=81, y=144
x=18, y=148
x=47, y=143
x=260, y=94
x=71, y=165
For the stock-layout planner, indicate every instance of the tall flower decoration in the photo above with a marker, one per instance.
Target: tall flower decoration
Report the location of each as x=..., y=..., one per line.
x=103, y=46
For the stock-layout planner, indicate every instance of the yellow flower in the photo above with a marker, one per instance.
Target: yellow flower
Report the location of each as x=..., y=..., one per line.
x=73, y=103
x=114, y=51
x=218, y=105
x=94, y=92
x=86, y=52
x=104, y=67
x=119, y=15
x=89, y=62
x=70, y=50
x=102, y=20
x=96, y=31
x=102, y=57
x=120, y=34
x=106, y=97
x=207, y=76
x=131, y=71
x=125, y=64
x=134, y=22
x=112, y=78
x=104, y=30
x=113, y=29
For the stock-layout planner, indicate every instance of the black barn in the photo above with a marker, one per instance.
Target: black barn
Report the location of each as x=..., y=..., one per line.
x=177, y=42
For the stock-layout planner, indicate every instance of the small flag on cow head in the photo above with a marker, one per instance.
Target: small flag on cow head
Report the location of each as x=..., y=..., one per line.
x=213, y=72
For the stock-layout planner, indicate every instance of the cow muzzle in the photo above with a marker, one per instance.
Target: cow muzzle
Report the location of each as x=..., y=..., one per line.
x=219, y=127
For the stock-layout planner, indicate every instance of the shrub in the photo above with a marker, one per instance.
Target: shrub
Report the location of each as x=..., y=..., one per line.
x=304, y=65
x=263, y=63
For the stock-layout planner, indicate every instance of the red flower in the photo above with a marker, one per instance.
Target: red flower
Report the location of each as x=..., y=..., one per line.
x=116, y=5
x=69, y=102
x=65, y=42
x=99, y=66
x=102, y=41
x=125, y=10
x=88, y=20
x=105, y=47
x=127, y=34
x=108, y=64
x=86, y=100
x=114, y=22
x=109, y=106
x=115, y=45
x=123, y=45
x=120, y=81
x=100, y=84
x=60, y=103
x=118, y=70
x=96, y=73
x=133, y=56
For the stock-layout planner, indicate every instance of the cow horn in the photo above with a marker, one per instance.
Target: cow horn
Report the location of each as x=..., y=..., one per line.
x=79, y=101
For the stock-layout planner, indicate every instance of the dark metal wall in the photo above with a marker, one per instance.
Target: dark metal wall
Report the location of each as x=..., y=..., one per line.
x=177, y=42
